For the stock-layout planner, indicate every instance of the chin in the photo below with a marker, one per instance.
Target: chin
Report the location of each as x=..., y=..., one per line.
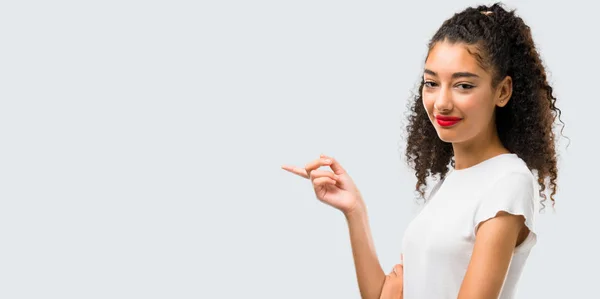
x=446, y=138
x=449, y=137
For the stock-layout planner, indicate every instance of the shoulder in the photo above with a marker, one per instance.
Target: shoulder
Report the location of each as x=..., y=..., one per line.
x=510, y=180
x=511, y=171
x=511, y=184
x=511, y=190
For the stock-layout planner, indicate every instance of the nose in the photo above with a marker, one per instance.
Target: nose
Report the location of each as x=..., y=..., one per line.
x=443, y=101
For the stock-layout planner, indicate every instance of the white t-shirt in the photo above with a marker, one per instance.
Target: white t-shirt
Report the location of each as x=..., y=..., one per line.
x=439, y=241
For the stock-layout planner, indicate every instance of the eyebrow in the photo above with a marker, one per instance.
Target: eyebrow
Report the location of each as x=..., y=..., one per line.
x=455, y=75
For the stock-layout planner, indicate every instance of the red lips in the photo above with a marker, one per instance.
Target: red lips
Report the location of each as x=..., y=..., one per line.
x=446, y=121
x=447, y=118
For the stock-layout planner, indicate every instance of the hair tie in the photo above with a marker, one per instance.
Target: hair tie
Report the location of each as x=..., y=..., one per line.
x=487, y=13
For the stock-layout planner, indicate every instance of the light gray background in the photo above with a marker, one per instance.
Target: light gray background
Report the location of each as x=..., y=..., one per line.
x=141, y=144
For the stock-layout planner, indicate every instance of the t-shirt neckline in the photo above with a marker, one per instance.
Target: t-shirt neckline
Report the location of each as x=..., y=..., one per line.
x=480, y=164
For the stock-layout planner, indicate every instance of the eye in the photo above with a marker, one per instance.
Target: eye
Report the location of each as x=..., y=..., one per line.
x=465, y=86
x=429, y=84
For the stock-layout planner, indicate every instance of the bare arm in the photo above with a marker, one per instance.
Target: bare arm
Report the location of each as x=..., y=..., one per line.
x=495, y=242
x=339, y=191
x=369, y=273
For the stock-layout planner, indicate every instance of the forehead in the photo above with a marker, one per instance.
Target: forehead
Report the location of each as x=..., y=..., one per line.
x=446, y=58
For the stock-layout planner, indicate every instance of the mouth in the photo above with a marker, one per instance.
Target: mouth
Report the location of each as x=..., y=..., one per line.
x=447, y=121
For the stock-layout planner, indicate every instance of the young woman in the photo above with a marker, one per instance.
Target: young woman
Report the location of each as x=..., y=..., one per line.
x=482, y=125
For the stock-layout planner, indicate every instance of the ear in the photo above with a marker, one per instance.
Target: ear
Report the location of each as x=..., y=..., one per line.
x=504, y=92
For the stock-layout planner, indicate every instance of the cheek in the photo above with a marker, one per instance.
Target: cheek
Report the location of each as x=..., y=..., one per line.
x=468, y=105
x=428, y=102
x=475, y=108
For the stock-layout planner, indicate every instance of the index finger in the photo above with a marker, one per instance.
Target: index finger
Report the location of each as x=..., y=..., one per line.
x=335, y=165
x=312, y=165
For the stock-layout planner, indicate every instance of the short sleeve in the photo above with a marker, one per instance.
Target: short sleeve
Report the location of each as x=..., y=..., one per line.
x=512, y=193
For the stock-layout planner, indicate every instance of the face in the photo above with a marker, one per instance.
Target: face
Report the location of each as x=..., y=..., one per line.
x=458, y=94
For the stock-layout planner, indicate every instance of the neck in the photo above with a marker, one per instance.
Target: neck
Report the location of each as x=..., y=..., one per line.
x=481, y=148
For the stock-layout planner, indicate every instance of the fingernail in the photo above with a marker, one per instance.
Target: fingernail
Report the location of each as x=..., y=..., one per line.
x=327, y=161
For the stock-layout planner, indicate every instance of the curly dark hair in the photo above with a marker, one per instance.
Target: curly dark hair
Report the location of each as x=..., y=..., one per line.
x=525, y=125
